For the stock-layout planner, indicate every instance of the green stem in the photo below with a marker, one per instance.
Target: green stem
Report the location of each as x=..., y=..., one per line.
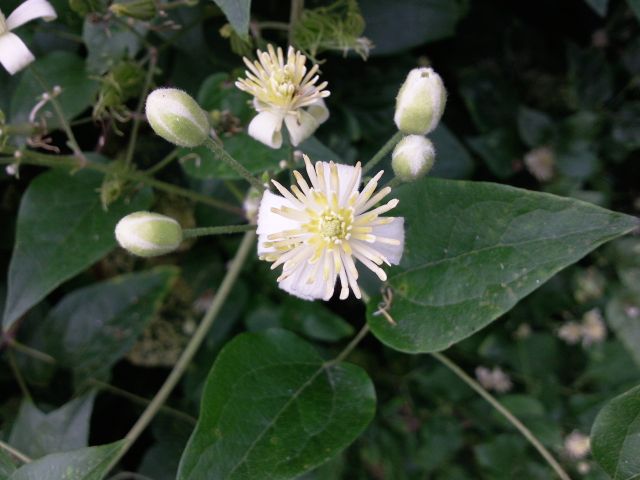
x=506, y=413
x=72, y=142
x=56, y=161
x=222, y=154
x=37, y=354
x=297, y=7
x=140, y=400
x=352, y=344
x=16, y=373
x=190, y=350
x=16, y=453
x=386, y=148
x=221, y=230
x=173, y=154
x=153, y=58
x=273, y=26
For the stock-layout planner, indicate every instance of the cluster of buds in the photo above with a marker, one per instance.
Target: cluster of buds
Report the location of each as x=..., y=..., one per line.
x=419, y=107
x=589, y=331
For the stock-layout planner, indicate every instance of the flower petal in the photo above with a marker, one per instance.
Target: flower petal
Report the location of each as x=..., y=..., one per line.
x=395, y=231
x=30, y=10
x=297, y=283
x=270, y=222
x=319, y=111
x=346, y=183
x=301, y=126
x=266, y=128
x=14, y=54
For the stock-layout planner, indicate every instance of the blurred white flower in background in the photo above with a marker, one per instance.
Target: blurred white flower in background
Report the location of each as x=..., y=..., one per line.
x=496, y=379
x=284, y=92
x=577, y=445
x=14, y=54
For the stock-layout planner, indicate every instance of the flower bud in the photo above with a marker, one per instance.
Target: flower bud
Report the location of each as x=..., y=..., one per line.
x=148, y=234
x=420, y=102
x=413, y=157
x=176, y=117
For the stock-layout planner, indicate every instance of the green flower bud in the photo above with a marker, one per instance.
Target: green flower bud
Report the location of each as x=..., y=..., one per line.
x=176, y=117
x=138, y=9
x=420, y=102
x=413, y=157
x=148, y=234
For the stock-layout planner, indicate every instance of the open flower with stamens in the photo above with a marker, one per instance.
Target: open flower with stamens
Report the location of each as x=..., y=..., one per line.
x=318, y=230
x=284, y=92
x=14, y=54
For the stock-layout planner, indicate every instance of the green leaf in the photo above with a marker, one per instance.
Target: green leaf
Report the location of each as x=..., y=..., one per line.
x=473, y=250
x=615, y=436
x=63, y=69
x=109, y=42
x=635, y=7
x=452, y=158
x=61, y=230
x=394, y=29
x=202, y=164
x=238, y=13
x=84, y=464
x=599, y=6
x=91, y=328
x=535, y=127
x=273, y=407
x=623, y=316
x=36, y=433
x=7, y=466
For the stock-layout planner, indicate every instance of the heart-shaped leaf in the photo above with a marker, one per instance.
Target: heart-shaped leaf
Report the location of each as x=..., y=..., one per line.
x=273, y=408
x=473, y=250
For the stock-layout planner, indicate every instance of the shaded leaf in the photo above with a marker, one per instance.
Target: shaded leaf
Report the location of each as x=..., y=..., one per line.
x=272, y=405
x=473, y=250
x=535, y=127
x=84, y=464
x=108, y=42
x=452, y=158
x=61, y=230
x=7, y=465
x=91, y=328
x=615, y=436
x=62, y=69
x=623, y=316
x=238, y=13
x=36, y=433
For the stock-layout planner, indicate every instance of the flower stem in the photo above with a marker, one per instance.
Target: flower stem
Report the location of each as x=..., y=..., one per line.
x=352, y=344
x=386, y=148
x=222, y=154
x=58, y=161
x=18, y=375
x=153, y=58
x=16, y=453
x=297, y=7
x=221, y=230
x=190, y=350
x=170, y=157
x=506, y=413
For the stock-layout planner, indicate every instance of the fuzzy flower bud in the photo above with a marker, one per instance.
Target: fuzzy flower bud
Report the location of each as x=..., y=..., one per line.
x=420, y=102
x=148, y=234
x=413, y=158
x=176, y=117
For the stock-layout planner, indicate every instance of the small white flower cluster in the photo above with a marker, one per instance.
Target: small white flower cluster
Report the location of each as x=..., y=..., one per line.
x=496, y=379
x=589, y=331
x=577, y=445
x=14, y=54
x=541, y=163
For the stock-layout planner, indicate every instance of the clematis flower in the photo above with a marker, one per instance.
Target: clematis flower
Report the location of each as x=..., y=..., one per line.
x=14, y=54
x=284, y=92
x=318, y=230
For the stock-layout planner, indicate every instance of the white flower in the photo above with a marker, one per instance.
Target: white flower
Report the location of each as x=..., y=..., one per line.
x=495, y=379
x=318, y=231
x=284, y=92
x=14, y=54
x=594, y=329
x=577, y=445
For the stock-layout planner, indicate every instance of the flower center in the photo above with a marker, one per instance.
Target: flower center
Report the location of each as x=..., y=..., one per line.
x=335, y=226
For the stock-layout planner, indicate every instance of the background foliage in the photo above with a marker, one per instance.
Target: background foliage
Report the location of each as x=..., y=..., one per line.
x=538, y=100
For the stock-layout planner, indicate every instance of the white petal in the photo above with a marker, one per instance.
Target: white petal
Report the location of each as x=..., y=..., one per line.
x=14, y=54
x=301, y=126
x=270, y=222
x=265, y=127
x=30, y=10
x=345, y=175
x=319, y=111
x=394, y=230
x=296, y=283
